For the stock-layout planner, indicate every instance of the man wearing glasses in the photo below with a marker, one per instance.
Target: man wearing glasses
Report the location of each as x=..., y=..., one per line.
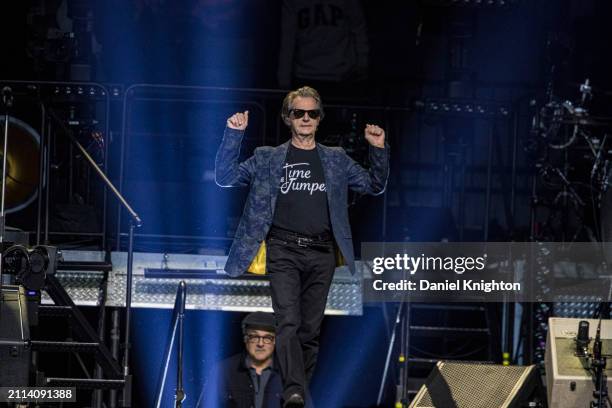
x=247, y=380
x=295, y=218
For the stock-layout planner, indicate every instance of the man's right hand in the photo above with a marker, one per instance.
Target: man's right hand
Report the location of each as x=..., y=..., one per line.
x=238, y=121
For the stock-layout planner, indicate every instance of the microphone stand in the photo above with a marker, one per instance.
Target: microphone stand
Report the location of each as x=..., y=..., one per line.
x=599, y=360
x=601, y=380
x=178, y=317
x=180, y=396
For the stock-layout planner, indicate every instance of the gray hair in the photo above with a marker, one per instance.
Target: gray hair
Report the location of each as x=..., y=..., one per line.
x=304, y=92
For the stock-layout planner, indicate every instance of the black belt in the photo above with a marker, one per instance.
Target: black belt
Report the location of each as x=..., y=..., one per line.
x=302, y=240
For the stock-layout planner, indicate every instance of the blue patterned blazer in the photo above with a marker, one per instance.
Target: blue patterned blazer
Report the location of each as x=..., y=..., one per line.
x=263, y=171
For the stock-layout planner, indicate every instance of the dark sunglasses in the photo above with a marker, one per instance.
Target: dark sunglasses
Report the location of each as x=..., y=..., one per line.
x=299, y=113
x=252, y=338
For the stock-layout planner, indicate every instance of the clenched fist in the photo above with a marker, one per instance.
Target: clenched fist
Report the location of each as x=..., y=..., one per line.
x=238, y=121
x=375, y=135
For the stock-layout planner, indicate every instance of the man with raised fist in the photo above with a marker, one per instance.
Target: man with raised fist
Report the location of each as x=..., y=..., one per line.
x=295, y=217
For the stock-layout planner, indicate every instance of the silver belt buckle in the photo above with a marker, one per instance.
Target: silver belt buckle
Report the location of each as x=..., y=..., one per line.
x=303, y=242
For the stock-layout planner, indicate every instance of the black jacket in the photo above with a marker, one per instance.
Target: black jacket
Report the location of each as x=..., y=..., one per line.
x=230, y=386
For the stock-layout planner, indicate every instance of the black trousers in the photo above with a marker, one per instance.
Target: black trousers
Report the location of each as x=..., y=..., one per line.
x=300, y=278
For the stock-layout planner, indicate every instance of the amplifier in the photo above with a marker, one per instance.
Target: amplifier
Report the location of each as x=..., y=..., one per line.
x=568, y=380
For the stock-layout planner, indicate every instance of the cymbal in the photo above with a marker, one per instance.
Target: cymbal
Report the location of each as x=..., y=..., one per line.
x=588, y=121
x=22, y=164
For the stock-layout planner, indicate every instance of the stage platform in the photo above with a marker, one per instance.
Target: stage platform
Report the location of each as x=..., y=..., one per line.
x=156, y=277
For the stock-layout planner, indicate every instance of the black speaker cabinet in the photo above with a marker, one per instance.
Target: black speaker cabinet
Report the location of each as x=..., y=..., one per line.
x=15, y=357
x=472, y=385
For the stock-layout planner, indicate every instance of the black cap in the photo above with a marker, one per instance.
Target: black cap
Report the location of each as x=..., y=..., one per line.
x=259, y=321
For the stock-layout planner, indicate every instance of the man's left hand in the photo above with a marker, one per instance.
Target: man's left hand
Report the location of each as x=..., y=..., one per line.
x=375, y=135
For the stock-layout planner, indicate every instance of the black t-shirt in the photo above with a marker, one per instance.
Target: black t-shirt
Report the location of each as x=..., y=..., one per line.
x=301, y=205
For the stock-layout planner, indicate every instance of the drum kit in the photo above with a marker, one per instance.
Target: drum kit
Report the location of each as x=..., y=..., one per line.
x=573, y=154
